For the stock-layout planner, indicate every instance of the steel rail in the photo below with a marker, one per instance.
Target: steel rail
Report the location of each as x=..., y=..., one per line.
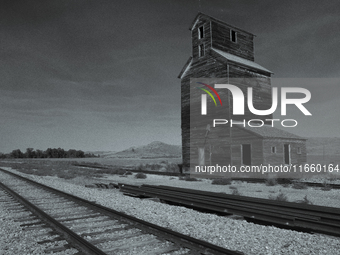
x=310, y=217
x=78, y=242
x=186, y=241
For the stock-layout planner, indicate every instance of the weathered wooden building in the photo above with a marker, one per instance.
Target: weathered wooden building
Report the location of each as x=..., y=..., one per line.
x=221, y=51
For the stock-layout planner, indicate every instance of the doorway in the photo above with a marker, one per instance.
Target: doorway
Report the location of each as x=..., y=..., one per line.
x=287, y=154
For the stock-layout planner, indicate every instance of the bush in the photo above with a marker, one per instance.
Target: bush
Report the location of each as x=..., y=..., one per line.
x=236, y=192
x=279, y=197
x=271, y=182
x=121, y=171
x=326, y=187
x=140, y=176
x=232, y=187
x=221, y=181
x=140, y=167
x=128, y=173
x=299, y=185
x=172, y=167
x=305, y=200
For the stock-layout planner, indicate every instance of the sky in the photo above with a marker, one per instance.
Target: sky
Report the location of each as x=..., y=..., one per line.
x=102, y=75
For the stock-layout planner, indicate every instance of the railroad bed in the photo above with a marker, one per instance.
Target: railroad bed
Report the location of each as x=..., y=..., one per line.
x=83, y=227
x=304, y=217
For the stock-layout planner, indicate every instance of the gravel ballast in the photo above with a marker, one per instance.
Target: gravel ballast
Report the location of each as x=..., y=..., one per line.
x=223, y=231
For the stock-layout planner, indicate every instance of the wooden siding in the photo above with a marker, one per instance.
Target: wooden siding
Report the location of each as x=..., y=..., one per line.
x=243, y=47
x=196, y=41
x=205, y=67
x=239, y=137
x=219, y=138
x=278, y=157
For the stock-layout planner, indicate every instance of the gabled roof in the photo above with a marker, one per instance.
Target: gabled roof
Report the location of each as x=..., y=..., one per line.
x=239, y=60
x=227, y=57
x=267, y=131
x=200, y=14
x=185, y=68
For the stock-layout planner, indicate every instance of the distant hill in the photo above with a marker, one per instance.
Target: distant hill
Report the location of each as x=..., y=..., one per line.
x=152, y=150
x=317, y=145
x=101, y=153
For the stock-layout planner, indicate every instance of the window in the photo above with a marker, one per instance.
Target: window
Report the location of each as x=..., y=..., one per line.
x=246, y=154
x=298, y=150
x=200, y=32
x=201, y=50
x=273, y=149
x=233, y=36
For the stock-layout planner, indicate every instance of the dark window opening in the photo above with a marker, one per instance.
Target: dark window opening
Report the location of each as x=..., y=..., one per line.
x=200, y=32
x=233, y=36
x=201, y=50
x=287, y=154
x=298, y=150
x=246, y=154
x=273, y=149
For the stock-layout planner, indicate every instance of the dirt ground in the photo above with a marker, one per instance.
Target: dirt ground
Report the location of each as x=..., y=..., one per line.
x=314, y=195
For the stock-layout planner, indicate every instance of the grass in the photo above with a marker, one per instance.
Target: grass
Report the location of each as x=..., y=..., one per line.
x=61, y=169
x=163, y=166
x=221, y=181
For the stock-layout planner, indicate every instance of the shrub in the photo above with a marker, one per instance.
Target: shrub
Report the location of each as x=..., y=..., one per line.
x=128, y=173
x=140, y=176
x=326, y=187
x=121, y=171
x=279, y=197
x=172, y=167
x=299, y=185
x=188, y=179
x=232, y=187
x=140, y=167
x=271, y=182
x=236, y=192
x=305, y=200
x=221, y=181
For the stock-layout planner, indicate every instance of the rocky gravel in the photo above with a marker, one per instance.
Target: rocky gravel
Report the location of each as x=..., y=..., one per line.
x=15, y=240
x=232, y=234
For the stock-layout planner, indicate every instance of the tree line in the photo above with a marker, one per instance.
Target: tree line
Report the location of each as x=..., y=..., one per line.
x=49, y=153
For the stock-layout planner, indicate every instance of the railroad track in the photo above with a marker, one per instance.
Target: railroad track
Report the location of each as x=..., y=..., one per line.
x=303, y=217
x=94, y=229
